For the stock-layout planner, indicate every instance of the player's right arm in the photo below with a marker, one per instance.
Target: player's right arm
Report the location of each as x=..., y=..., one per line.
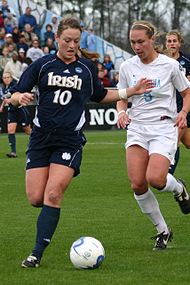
x=22, y=99
x=123, y=119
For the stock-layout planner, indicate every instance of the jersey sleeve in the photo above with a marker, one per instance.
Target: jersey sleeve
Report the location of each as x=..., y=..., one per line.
x=122, y=77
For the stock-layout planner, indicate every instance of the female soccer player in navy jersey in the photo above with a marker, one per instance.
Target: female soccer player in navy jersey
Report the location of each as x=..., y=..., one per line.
x=174, y=43
x=65, y=83
x=152, y=134
x=16, y=116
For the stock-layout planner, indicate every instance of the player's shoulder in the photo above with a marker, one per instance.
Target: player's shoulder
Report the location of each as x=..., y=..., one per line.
x=45, y=59
x=184, y=57
x=165, y=59
x=85, y=62
x=132, y=60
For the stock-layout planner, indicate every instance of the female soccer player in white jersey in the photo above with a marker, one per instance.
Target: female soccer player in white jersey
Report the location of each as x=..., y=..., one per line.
x=66, y=82
x=152, y=130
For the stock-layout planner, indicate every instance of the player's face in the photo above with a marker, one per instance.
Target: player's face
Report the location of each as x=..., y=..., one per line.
x=142, y=44
x=68, y=44
x=173, y=43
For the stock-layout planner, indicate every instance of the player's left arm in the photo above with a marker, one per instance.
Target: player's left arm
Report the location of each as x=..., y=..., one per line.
x=181, y=121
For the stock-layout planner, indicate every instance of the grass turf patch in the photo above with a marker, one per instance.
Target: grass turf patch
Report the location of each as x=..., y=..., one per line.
x=98, y=203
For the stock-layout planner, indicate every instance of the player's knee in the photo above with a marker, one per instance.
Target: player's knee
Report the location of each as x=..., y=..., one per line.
x=54, y=198
x=186, y=142
x=156, y=181
x=187, y=145
x=35, y=200
x=138, y=187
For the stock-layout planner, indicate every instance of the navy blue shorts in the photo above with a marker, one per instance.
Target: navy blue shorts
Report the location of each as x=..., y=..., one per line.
x=20, y=116
x=55, y=147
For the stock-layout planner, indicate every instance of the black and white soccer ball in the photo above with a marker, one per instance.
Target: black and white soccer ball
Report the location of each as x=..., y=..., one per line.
x=87, y=253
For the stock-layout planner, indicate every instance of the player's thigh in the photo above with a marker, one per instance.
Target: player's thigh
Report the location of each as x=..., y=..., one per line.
x=157, y=170
x=137, y=161
x=185, y=139
x=12, y=128
x=36, y=180
x=59, y=179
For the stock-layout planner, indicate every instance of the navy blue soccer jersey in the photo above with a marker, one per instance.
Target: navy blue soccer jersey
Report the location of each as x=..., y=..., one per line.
x=63, y=91
x=185, y=63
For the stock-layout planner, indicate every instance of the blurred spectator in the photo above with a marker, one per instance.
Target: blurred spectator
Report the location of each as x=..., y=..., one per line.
x=9, y=40
x=46, y=50
x=35, y=51
x=29, y=34
x=22, y=43
x=115, y=79
x=2, y=38
x=11, y=49
x=1, y=19
x=54, y=24
x=27, y=18
x=21, y=55
x=16, y=34
x=10, y=22
x=50, y=43
x=108, y=63
x=14, y=66
x=84, y=36
x=4, y=7
x=25, y=61
x=49, y=33
x=102, y=75
x=4, y=58
x=91, y=41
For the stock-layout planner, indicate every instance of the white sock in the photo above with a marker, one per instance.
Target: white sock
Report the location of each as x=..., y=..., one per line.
x=172, y=185
x=149, y=205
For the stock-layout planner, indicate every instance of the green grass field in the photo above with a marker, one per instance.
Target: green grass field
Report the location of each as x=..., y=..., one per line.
x=98, y=203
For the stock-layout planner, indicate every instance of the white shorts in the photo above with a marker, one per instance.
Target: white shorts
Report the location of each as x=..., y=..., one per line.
x=161, y=138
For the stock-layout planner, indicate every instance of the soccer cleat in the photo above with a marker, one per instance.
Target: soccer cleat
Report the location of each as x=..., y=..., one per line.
x=162, y=240
x=31, y=262
x=183, y=198
x=11, y=154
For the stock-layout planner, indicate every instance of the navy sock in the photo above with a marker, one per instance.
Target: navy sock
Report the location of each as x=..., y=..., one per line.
x=12, y=142
x=176, y=159
x=46, y=226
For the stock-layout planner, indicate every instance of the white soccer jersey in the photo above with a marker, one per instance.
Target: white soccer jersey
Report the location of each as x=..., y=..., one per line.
x=167, y=75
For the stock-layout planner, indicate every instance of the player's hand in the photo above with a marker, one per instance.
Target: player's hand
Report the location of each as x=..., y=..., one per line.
x=144, y=85
x=25, y=98
x=181, y=120
x=123, y=120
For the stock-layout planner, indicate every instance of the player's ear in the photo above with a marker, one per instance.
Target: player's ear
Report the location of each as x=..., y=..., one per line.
x=56, y=37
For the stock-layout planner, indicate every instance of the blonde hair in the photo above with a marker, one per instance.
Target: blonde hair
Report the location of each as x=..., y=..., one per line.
x=144, y=25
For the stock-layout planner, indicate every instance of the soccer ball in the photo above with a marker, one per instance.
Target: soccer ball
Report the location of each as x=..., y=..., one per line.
x=87, y=253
